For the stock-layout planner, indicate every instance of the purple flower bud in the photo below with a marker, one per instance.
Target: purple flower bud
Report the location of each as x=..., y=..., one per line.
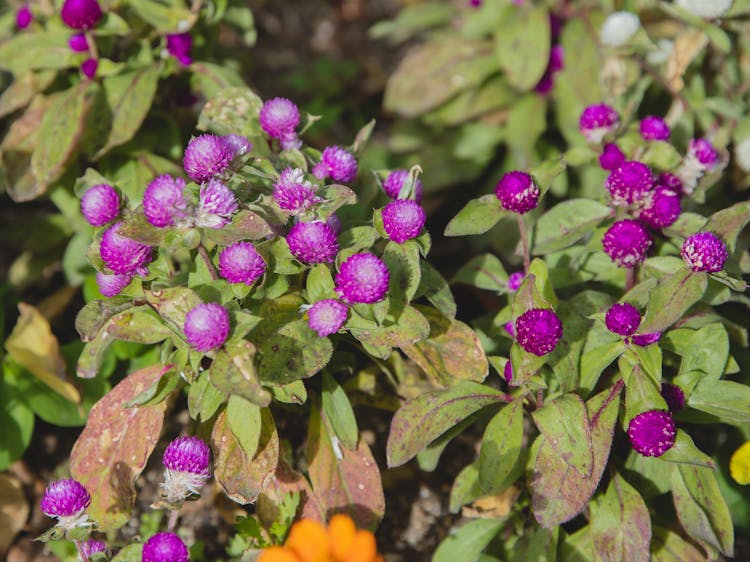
x=652, y=433
x=611, y=157
x=238, y=144
x=395, y=181
x=704, y=251
x=216, y=205
x=515, y=280
x=662, y=208
x=123, y=255
x=597, y=121
x=403, y=219
x=187, y=454
x=673, y=396
x=646, y=339
x=623, y=319
x=627, y=242
x=112, y=285
x=313, y=242
x=555, y=65
x=510, y=329
x=81, y=14
x=78, y=43
x=517, y=192
x=279, y=117
x=326, y=317
x=241, y=263
x=336, y=163
x=508, y=372
x=629, y=183
x=704, y=152
x=89, y=547
x=293, y=193
x=475, y=3
x=178, y=45
x=206, y=156
x=538, y=330
x=163, y=201
x=670, y=181
x=100, y=204
x=654, y=128
x=363, y=278
x=24, y=17
x=64, y=498
x=335, y=223
x=89, y=67
x=206, y=326
x=164, y=547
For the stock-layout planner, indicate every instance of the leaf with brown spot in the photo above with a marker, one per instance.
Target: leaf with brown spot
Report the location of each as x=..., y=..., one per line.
x=115, y=445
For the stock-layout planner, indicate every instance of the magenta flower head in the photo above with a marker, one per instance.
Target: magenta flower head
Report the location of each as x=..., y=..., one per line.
x=670, y=181
x=611, y=157
x=629, y=183
x=206, y=326
x=403, y=219
x=654, y=128
x=623, y=319
x=178, y=45
x=164, y=547
x=89, y=67
x=293, y=193
x=597, y=121
x=100, y=204
x=89, y=547
x=508, y=372
x=704, y=251
x=78, y=43
x=238, y=144
x=122, y=254
x=185, y=468
x=673, y=395
x=24, y=17
x=395, y=181
x=652, y=433
x=313, y=242
x=538, y=330
x=627, y=242
x=66, y=500
x=662, y=208
x=112, y=285
x=216, y=205
x=363, y=278
x=646, y=339
x=241, y=263
x=337, y=163
x=517, y=192
x=206, y=156
x=279, y=117
x=703, y=152
x=515, y=280
x=81, y=14
x=326, y=317
x=163, y=201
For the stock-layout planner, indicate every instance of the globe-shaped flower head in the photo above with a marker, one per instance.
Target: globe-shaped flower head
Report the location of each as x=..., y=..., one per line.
x=206, y=156
x=66, y=500
x=279, y=117
x=538, y=330
x=206, y=326
x=100, y=204
x=670, y=181
x=336, y=163
x=517, y=192
x=627, y=242
x=652, y=433
x=362, y=278
x=704, y=251
x=89, y=67
x=623, y=319
x=704, y=152
x=673, y=395
x=313, y=242
x=164, y=547
x=185, y=467
x=78, y=43
x=163, y=201
x=122, y=254
x=24, y=17
x=514, y=281
x=241, y=263
x=81, y=14
x=216, y=205
x=89, y=547
x=597, y=121
x=403, y=219
x=662, y=208
x=178, y=45
x=326, y=317
x=395, y=181
x=654, y=128
x=629, y=183
x=112, y=285
x=611, y=157
x=293, y=193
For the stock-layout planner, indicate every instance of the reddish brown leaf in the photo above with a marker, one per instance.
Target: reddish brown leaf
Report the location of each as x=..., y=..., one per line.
x=288, y=481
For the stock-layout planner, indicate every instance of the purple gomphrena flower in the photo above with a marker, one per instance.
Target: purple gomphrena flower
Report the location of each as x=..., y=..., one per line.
x=112, y=285
x=662, y=208
x=627, y=242
x=704, y=152
x=240, y=145
x=78, y=43
x=517, y=192
x=24, y=17
x=652, y=433
x=89, y=67
x=395, y=181
x=122, y=254
x=670, y=181
x=597, y=121
x=326, y=317
x=623, y=319
x=510, y=329
x=654, y=128
x=538, y=330
x=81, y=14
x=475, y=3
x=337, y=163
x=89, y=547
x=508, y=372
x=163, y=201
x=673, y=395
x=313, y=242
x=363, y=278
x=216, y=205
x=293, y=193
x=646, y=339
x=279, y=117
x=206, y=156
x=206, y=326
x=611, y=157
x=704, y=251
x=178, y=45
x=241, y=263
x=164, y=547
x=185, y=468
x=66, y=500
x=629, y=183
x=515, y=280
x=403, y=219
x=100, y=204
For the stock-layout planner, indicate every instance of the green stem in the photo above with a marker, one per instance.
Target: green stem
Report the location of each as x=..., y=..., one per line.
x=524, y=243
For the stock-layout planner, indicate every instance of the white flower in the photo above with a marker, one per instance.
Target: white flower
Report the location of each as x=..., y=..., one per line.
x=705, y=8
x=742, y=154
x=662, y=52
x=618, y=28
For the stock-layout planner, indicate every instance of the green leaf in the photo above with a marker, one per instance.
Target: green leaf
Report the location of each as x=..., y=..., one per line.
x=20, y=93
x=684, y=451
x=566, y=223
x=166, y=18
x=233, y=372
x=661, y=155
x=334, y=197
x=420, y=421
x=412, y=326
x=728, y=223
x=338, y=410
x=522, y=43
x=244, y=421
x=403, y=265
x=594, y=361
x=526, y=123
x=477, y=217
x=428, y=458
x=728, y=401
x=16, y=425
x=46, y=49
x=501, y=446
x=320, y=285
x=292, y=352
x=672, y=298
x=232, y=110
x=468, y=542
x=669, y=546
x=486, y=272
x=245, y=225
x=435, y=289
x=131, y=553
x=157, y=392
x=707, y=351
x=204, y=398
x=137, y=325
x=643, y=393
x=173, y=304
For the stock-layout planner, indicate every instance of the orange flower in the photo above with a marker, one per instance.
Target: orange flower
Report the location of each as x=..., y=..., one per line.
x=309, y=541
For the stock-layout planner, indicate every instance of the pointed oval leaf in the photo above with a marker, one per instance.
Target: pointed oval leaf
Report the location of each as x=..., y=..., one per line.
x=477, y=217
x=566, y=223
x=501, y=446
x=672, y=298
